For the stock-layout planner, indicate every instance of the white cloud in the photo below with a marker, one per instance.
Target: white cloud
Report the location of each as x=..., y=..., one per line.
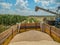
x=21, y=7
x=21, y=4
x=36, y=1
x=6, y=11
x=45, y=3
x=6, y=5
x=52, y=1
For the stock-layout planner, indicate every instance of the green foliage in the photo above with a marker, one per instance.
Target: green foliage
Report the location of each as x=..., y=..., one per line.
x=11, y=19
x=3, y=28
x=33, y=19
x=7, y=20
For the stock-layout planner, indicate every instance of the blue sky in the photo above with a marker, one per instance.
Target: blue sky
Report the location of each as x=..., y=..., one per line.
x=27, y=7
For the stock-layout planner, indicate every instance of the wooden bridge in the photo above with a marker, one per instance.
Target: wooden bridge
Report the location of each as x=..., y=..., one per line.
x=6, y=36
